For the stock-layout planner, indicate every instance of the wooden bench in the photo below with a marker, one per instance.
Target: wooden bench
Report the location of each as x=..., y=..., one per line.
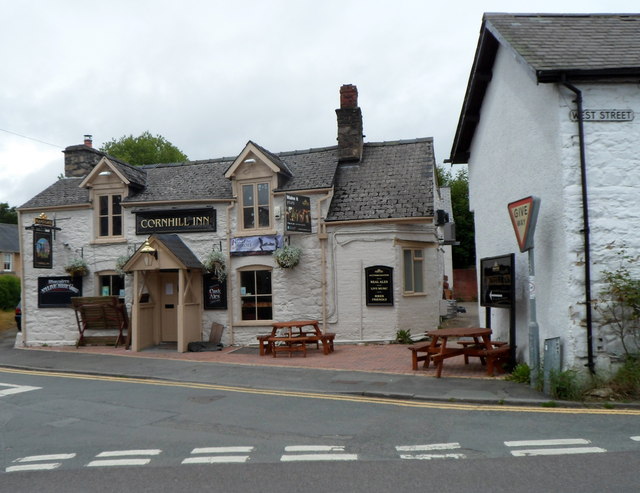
x=495, y=357
x=470, y=346
x=100, y=313
x=288, y=344
x=263, y=342
x=422, y=347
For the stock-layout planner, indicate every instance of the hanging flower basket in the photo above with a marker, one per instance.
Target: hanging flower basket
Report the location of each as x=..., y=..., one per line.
x=216, y=264
x=288, y=256
x=120, y=263
x=77, y=268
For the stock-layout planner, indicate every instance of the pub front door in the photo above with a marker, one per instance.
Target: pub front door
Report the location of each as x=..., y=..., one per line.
x=169, y=306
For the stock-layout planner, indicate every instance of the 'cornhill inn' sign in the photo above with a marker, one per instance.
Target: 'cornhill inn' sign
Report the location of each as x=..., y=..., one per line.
x=176, y=221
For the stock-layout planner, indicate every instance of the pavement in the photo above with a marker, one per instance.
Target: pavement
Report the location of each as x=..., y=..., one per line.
x=372, y=370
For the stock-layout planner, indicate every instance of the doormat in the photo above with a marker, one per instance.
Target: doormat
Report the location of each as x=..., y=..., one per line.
x=245, y=350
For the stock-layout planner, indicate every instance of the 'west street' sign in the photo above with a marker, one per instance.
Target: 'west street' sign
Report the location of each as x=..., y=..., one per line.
x=603, y=115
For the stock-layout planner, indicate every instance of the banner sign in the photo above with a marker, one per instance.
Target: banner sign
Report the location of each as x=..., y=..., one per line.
x=379, y=285
x=524, y=215
x=497, y=281
x=56, y=292
x=214, y=292
x=255, y=245
x=176, y=221
x=42, y=249
x=298, y=213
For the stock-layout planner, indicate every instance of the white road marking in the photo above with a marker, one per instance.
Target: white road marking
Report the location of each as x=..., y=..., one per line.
x=557, y=451
x=35, y=458
x=16, y=389
x=318, y=457
x=314, y=448
x=34, y=467
x=432, y=446
x=118, y=462
x=221, y=450
x=41, y=460
x=432, y=456
x=557, y=441
x=637, y=439
x=120, y=453
x=216, y=459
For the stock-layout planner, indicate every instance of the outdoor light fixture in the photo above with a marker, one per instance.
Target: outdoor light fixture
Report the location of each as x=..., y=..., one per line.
x=148, y=249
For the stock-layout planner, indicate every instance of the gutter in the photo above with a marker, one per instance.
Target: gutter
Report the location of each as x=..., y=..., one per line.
x=585, y=225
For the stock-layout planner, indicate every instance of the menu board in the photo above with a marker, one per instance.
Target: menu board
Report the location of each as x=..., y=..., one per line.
x=379, y=285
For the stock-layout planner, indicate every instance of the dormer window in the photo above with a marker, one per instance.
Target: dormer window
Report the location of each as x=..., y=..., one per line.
x=109, y=216
x=256, y=206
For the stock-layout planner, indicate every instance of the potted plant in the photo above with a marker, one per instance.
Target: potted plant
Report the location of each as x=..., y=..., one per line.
x=288, y=256
x=215, y=263
x=77, y=267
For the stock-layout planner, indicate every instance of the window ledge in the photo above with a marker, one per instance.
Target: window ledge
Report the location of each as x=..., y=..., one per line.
x=253, y=323
x=107, y=241
x=256, y=232
x=414, y=295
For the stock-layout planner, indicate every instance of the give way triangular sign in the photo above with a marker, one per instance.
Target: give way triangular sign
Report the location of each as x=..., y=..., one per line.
x=524, y=214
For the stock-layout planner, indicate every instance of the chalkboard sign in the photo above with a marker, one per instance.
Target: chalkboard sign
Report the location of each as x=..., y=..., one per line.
x=56, y=292
x=379, y=285
x=214, y=292
x=497, y=276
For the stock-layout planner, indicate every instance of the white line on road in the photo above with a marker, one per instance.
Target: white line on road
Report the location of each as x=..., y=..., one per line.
x=221, y=450
x=16, y=389
x=34, y=467
x=318, y=457
x=120, y=453
x=557, y=451
x=216, y=459
x=42, y=465
x=35, y=458
x=314, y=448
x=118, y=462
x=637, y=439
x=558, y=441
x=432, y=446
x=432, y=456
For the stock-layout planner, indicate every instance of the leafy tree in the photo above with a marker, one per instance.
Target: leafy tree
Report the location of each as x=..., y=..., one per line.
x=8, y=214
x=464, y=255
x=144, y=149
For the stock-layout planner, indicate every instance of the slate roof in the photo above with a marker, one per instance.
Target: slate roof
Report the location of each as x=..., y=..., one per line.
x=9, y=241
x=393, y=180
x=175, y=244
x=552, y=47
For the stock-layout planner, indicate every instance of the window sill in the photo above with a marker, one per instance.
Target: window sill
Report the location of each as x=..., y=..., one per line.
x=414, y=295
x=108, y=241
x=255, y=232
x=252, y=323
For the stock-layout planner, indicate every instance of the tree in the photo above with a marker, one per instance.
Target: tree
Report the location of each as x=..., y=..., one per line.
x=144, y=149
x=464, y=255
x=8, y=214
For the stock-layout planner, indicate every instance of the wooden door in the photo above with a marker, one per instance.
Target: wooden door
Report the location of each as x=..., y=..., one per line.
x=169, y=306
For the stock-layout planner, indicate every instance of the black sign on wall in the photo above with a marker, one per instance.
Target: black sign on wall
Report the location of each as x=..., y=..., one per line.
x=56, y=292
x=214, y=293
x=176, y=221
x=379, y=285
x=298, y=213
x=497, y=281
x=42, y=249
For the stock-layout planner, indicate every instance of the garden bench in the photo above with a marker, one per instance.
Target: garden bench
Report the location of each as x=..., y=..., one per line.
x=100, y=313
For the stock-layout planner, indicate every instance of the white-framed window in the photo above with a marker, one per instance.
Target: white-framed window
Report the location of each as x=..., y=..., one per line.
x=256, y=206
x=413, y=261
x=256, y=298
x=8, y=262
x=109, y=215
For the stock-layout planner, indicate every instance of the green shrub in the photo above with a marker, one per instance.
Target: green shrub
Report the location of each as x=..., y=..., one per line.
x=565, y=385
x=404, y=337
x=520, y=374
x=626, y=381
x=9, y=292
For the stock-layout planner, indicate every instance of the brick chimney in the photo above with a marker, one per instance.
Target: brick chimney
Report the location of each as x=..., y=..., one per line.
x=350, y=138
x=79, y=160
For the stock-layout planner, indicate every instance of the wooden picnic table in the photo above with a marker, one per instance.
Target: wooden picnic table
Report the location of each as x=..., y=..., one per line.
x=293, y=336
x=438, y=349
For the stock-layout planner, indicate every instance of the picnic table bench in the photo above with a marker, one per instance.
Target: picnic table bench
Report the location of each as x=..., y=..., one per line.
x=284, y=338
x=100, y=313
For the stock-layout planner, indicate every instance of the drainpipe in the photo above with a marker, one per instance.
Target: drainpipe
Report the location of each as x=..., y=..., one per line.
x=322, y=237
x=585, y=226
x=228, y=280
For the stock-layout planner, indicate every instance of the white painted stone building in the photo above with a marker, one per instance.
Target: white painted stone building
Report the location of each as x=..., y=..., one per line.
x=358, y=205
x=519, y=132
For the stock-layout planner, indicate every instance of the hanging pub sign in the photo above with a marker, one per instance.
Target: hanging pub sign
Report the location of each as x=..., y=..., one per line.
x=176, y=221
x=214, y=292
x=56, y=292
x=497, y=281
x=42, y=249
x=379, y=285
x=298, y=213
x=255, y=245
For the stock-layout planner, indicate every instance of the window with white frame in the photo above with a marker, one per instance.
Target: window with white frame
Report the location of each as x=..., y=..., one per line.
x=413, y=260
x=256, y=298
x=8, y=262
x=256, y=206
x=109, y=216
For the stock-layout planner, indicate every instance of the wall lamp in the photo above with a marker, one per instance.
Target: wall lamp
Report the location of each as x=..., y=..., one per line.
x=147, y=248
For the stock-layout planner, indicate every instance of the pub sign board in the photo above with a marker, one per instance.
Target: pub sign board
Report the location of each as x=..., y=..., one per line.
x=176, y=221
x=42, y=249
x=214, y=292
x=56, y=292
x=379, y=285
x=298, y=213
x=497, y=281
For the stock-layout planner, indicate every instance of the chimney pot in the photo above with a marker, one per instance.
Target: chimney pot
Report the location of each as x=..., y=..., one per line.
x=88, y=140
x=348, y=96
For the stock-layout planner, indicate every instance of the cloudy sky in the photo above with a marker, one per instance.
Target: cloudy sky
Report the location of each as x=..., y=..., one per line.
x=211, y=75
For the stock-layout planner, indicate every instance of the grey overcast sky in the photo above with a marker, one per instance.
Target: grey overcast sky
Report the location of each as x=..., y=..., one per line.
x=211, y=75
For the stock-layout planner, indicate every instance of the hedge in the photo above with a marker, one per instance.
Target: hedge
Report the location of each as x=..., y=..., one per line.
x=9, y=292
